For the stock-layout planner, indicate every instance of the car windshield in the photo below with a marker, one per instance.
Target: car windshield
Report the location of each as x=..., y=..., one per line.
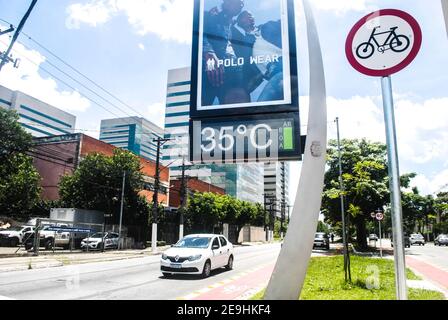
x=98, y=235
x=193, y=242
x=14, y=229
x=320, y=235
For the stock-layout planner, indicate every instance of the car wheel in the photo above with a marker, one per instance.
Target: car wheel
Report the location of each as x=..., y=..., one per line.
x=207, y=269
x=28, y=246
x=49, y=244
x=229, y=265
x=14, y=242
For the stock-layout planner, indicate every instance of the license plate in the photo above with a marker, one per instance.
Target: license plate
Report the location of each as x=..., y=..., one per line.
x=176, y=266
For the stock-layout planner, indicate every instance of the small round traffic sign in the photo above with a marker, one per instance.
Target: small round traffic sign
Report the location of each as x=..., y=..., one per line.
x=379, y=216
x=383, y=42
x=373, y=214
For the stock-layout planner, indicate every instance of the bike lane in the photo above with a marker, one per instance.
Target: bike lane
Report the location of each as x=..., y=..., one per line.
x=431, y=272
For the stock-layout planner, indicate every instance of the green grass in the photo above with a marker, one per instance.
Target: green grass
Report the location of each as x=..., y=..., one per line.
x=372, y=279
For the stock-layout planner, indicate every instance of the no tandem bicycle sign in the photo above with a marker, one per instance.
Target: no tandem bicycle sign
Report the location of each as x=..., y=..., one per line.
x=383, y=42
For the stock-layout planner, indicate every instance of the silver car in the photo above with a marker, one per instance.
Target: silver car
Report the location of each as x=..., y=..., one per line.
x=417, y=238
x=441, y=240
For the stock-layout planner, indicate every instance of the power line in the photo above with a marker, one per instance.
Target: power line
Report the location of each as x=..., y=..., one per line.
x=76, y=90
x=76, y=71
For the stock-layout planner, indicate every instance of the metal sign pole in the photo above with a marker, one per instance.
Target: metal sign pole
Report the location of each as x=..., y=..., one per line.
x=381, y=247
x=394, y=185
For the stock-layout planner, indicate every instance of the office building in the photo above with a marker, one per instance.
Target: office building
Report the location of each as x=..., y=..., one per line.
x=38, y=118
x=134, y=134
x=276, y=187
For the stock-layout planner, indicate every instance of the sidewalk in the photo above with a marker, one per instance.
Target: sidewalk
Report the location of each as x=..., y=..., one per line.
x=63, y=258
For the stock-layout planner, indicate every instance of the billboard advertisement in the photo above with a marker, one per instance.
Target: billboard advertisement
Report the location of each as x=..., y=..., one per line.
x=243, y=57
x=244, y=101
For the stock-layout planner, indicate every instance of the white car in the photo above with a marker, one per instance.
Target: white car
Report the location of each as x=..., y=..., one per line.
x=95, y=242
x=14, y=235
x=417, y=238
x=197, y=254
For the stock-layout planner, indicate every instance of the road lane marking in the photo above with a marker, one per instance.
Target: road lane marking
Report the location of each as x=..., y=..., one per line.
x=223, y=283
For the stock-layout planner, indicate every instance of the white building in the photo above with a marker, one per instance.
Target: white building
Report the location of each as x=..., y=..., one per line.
x=134, y=134
x=276, y=186
x=37, y=117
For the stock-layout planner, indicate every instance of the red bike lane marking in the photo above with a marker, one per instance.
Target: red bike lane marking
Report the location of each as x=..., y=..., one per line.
x=435, y=274
x=238, y=287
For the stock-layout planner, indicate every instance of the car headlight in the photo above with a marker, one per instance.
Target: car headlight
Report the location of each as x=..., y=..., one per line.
x=164, y=256
x=194, y=258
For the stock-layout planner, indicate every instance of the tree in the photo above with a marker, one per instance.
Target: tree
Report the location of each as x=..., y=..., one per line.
x=203, y=212
x=365, y=178
x=19, y=180
x=97, y=183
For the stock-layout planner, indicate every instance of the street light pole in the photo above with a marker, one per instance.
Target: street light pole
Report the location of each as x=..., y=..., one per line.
x=121, y=210
x=183, y=199
x=344, y=228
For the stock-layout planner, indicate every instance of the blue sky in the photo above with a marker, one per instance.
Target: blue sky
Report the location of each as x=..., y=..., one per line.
x=128, y=46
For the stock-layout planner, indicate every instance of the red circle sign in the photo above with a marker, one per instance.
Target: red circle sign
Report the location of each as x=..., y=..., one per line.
x=383, y=42
x=379, y=216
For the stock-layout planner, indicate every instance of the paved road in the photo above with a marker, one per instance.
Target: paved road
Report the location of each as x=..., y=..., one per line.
x=133, y=279
x=434, y=255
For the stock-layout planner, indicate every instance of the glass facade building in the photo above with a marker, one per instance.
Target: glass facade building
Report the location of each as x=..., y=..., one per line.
x=134, y=134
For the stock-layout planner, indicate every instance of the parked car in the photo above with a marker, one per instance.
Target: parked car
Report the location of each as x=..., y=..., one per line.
x=197, y=254
x=417, y=238
x=441, y=240
x=14, y=235
x=407, y=241
x=321, y=240
x=48, y=238
x=97, y=240
x=373, y=237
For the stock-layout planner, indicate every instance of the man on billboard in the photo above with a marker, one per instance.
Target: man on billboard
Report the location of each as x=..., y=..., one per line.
x=243, y=63
x=219, y=83
x=249, y=42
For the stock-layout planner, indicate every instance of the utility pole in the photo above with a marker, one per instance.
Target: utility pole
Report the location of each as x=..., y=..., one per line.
x=155, y=202
x=347, y=272
x=5, y=56
x=121, y=210
x=183, y=199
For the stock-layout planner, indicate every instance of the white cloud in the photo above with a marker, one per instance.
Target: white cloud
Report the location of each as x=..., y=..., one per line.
x=92, y=14
x=341, y=6
x=156, y=114
x=28, y=80
x=431, y=185
x=141, y=46
x=421, y=130
x=168, y=19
